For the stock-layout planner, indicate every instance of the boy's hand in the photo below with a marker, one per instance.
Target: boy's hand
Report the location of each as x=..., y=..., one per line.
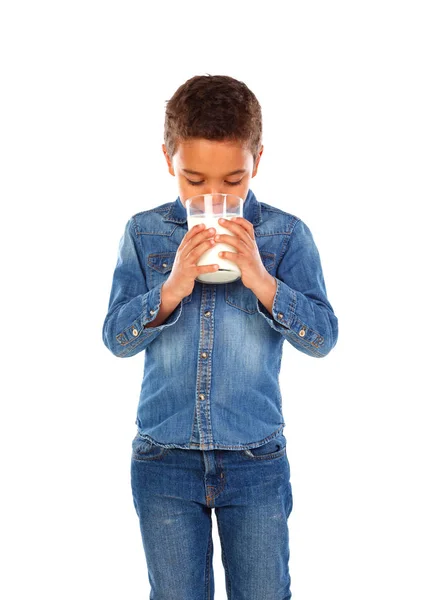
x=253, y=272
x=181, y=280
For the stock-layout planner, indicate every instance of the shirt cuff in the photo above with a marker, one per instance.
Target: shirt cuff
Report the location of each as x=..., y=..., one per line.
x=285, y=319
x=151, y=305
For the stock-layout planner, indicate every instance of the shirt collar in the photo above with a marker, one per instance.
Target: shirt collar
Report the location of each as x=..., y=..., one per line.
x=251, y=210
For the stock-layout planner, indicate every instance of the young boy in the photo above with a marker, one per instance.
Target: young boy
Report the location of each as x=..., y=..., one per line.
x=209, y=419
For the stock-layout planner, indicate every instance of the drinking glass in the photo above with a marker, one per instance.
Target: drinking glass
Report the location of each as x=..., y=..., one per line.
x=208, y=209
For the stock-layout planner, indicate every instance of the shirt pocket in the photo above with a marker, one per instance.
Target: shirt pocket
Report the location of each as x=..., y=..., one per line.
x=159, y=268
x=241, y=297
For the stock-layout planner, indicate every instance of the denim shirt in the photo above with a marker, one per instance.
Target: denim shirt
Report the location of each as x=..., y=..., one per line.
x=210, y=378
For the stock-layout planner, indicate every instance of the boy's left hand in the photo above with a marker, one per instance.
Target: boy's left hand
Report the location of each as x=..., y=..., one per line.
x=247, y=257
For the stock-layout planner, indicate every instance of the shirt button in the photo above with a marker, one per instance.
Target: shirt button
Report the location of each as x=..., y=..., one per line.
x=302, y=332
x=135, y=332
x=201, y=396
x=204, y=355
x=207, y=313
x=152, y=312
x=280, y=315
x=164, y=265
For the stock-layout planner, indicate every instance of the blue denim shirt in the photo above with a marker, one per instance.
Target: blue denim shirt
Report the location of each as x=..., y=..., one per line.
x=211, y=369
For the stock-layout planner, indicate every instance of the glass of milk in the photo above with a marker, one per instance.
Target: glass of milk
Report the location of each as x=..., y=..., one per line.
x=208, y=209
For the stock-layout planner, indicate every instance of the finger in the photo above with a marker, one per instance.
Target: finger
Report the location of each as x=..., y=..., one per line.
x=190, y=233
x=240, y=232
x=207, y=269
x=196, y=252
x=232, y=240
x=198, y=236
x=244, y=223
x=238, y=224
x=234, y=256
x=196, y=229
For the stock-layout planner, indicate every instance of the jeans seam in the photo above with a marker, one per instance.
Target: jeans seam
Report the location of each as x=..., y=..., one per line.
x=208, y=564
x=228, y=590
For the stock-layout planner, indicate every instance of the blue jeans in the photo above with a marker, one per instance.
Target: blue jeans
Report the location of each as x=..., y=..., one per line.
x=174, y=491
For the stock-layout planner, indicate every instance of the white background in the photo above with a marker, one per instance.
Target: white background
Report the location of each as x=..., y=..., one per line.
x=345, y=95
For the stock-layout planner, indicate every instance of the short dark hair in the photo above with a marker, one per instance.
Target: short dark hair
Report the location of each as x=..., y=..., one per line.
x=214, y=107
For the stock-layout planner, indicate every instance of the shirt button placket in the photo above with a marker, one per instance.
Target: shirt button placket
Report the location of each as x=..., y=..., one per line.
x=204, y=367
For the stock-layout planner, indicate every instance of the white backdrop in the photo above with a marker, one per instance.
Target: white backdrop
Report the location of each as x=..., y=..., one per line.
x=345, y=95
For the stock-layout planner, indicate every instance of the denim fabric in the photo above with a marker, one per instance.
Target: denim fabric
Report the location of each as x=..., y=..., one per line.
x=174, y=492
x=211, y=370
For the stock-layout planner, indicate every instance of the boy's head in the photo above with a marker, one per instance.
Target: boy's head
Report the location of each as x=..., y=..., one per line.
x=213, y=136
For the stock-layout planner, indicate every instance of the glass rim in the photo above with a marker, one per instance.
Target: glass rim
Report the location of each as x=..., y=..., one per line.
x=188, y=200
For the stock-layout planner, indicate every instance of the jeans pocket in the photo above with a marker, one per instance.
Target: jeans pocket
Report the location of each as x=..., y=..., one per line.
x=144, y=449
x=272, y=449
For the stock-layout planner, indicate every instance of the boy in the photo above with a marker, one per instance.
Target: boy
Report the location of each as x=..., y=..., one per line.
x=209, y=419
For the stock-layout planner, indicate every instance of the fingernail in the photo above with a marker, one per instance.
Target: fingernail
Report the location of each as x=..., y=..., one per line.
x=222, y=220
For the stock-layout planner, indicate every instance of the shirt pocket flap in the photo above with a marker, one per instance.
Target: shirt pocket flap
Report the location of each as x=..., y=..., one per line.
x=159, y=266
x=268, y=259
x=161, y=262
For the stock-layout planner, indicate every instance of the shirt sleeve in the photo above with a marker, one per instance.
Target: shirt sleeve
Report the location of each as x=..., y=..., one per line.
x=131, y=304
x=301, y=311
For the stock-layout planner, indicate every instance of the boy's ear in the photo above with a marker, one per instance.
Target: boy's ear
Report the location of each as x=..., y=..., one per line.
x=168, y=160
x=256, y=165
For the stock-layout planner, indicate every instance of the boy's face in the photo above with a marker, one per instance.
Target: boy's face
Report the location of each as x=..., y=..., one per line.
x=208, y=167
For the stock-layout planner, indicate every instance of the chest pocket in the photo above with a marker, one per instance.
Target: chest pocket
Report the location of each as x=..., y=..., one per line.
x=238, y=296
x=159, y=267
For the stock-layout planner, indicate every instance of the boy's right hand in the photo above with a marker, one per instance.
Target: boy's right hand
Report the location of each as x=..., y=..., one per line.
x=181, y=280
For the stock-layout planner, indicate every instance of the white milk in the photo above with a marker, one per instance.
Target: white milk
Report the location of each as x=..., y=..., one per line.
x=228, y=270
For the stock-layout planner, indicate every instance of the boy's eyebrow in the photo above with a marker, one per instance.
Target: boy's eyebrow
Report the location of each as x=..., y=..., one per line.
x=237, y=172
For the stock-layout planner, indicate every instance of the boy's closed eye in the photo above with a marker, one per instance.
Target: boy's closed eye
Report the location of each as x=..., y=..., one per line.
x=201, y=182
